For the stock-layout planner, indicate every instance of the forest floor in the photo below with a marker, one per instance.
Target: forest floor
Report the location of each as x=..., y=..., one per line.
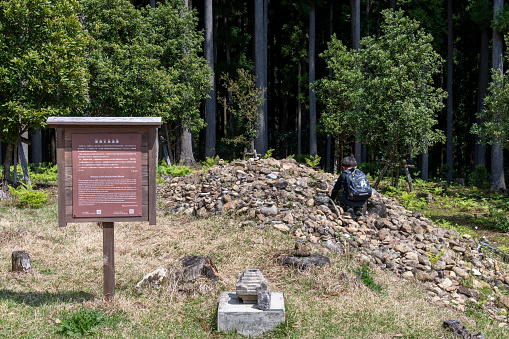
x=475, y=211
x=63, y=296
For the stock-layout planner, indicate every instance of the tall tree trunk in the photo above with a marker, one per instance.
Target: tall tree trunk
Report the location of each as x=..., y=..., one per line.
x=186, y=148
x=449, y=145
x=283, y=152
x=299, y=110
x=230, y=96
x=312, y=96
x=497, y=180
x=424, y=164
x=261, y=142
x=23, y=163
x=186, y=139
x=329, y=138
x=36, y=140
x=7, y=163
x=265, y=146
x=480, y=148
x=210, y=103
x=355, y=7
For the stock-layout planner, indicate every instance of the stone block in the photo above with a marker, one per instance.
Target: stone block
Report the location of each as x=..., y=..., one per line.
x=248, y=319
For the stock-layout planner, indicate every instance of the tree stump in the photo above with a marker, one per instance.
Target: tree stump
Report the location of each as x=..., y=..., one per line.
x=21, y=262
x=194, y=266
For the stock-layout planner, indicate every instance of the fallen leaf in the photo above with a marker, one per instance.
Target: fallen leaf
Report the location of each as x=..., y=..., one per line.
x=179, y=319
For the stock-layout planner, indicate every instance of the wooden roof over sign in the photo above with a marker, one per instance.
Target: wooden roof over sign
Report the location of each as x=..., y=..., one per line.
x=104, y=121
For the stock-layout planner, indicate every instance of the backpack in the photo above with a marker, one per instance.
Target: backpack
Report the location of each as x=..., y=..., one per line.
x=357, y=185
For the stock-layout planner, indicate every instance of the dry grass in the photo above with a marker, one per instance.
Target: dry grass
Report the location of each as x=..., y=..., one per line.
x=320, y=303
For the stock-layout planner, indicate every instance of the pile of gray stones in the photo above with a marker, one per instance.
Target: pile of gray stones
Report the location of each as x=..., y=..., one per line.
x=454, y=268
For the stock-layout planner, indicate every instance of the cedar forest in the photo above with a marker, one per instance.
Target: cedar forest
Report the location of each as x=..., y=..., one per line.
x=389, y=81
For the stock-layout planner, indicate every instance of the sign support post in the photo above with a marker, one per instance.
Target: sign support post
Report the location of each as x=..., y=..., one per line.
x=109, y=259
x=106, y=174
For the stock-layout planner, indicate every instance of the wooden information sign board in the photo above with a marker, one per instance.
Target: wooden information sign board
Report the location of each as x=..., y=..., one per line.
x=106, y=173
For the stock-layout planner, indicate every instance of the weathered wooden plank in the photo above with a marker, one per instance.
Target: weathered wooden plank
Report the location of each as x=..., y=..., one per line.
x=71, y=219
x=152, y=160
x=109, y=259
x=61, y=178
x=103, y=121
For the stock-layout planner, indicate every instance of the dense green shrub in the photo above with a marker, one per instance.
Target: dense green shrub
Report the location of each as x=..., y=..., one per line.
x=25, y=197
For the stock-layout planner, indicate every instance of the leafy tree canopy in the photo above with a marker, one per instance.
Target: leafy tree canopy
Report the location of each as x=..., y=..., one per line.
x=145, y=62
x=385, y=91
x=340, y=93
x=399, y=102
x=245, y=107
x=495, y=117
x=42, y=63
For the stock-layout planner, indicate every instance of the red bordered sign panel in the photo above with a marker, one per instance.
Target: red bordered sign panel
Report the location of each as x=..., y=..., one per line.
x=106, y=175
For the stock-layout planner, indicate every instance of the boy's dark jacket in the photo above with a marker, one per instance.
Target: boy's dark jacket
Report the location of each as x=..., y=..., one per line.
x=342, y=183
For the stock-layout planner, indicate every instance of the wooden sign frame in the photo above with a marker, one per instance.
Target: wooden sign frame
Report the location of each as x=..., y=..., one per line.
x=67, y=126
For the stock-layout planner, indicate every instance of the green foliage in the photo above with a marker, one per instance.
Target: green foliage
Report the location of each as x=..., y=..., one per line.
x=340, y=93
x=444, y=170
x=500, y=220
x=210, y=161
x=313, y=160
x=501, y=23
x=481, y=13
x=428, y=187
x=371, y=168
x=408, y=198
x=495, y=117
x=42, y=63
x=83, y=322
x=245, y=107
x=434, y=257
x=367, y=279
x=480, y=177
x=400, y=103
x=269, y=153
x=43, y=173
x=392, y=191
x=39, y=174
x=385, y=90
x=145, y=62
x=174, y=170
x=25, y=197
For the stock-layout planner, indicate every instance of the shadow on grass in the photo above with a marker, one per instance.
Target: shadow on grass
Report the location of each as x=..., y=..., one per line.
x=44, y=298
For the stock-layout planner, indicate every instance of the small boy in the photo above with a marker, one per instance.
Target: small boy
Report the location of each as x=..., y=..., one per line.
x=355, y=185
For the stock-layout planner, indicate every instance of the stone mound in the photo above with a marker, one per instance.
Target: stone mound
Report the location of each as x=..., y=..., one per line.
x=293, y=198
